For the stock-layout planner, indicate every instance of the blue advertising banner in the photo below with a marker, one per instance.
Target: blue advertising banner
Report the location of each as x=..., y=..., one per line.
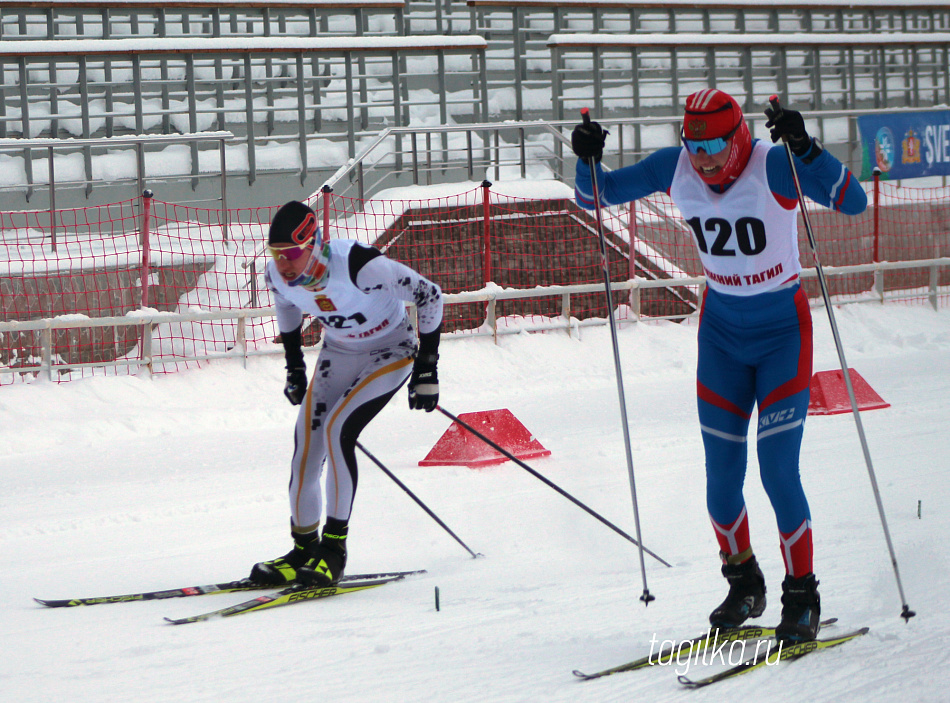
x=912, y=145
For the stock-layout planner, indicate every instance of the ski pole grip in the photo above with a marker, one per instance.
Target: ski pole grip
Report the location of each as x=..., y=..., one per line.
x=585, y=115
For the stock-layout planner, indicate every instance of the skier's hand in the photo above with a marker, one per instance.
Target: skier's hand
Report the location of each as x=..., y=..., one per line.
x=424, y=383
x=588, y=139
x=789, y=125
x=296, y=386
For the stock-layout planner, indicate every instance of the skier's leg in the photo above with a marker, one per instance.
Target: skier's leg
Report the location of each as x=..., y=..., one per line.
x=726, y=393
x=329, y=381
x=783, y=379
x=380, y=377
x=783, y=394
x=378, y=380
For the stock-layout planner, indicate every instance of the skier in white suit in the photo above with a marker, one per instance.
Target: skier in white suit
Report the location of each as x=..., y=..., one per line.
x=370, y=348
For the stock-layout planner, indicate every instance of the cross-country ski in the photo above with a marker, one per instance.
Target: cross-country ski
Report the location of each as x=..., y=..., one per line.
x=287, y=596
x=686, y=647
x=774, y=653
x=189, y=591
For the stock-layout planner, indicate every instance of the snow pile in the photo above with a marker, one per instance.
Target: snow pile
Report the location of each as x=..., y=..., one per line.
x=113, y=485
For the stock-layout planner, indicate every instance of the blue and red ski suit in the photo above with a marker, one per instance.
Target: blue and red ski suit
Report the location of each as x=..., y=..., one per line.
x=755, y=332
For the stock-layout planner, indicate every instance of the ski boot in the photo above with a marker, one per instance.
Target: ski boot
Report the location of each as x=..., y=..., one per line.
x=328, y=558
x=283, y=570
x=801, y=610
x=746, y=597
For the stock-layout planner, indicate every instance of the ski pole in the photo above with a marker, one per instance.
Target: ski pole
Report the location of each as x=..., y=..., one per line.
x=544, y=480
x=415, y=498
x=906, y=612
x=591, y=162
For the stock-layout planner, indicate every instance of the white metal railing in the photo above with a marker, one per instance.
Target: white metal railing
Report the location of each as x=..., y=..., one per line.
x=273, y=89
x=490, y=327
x=449, y=153
x=620, y=73
x=45, y=20
x=55, y=149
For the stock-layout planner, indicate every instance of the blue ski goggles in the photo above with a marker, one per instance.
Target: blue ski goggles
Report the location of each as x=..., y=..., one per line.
x=710, y=146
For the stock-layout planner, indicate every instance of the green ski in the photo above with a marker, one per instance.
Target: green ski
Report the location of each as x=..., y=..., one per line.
x=288, y=596
x=188, y=591
x=686, y=647
x=785, y=652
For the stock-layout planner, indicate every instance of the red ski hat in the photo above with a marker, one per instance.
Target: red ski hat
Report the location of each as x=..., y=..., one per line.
x=710, y=113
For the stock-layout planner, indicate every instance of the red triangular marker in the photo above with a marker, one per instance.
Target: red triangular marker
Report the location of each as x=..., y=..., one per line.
x=459, y=447
x=829, y=395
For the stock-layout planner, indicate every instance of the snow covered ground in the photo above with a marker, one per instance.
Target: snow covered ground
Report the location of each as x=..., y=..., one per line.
x=113, y=485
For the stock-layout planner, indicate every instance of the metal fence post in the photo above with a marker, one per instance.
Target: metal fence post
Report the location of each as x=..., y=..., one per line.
x=25, y=124
x=483, y=85
x=428, y=158
x=46, y=364
x=144, y=241
x=252, y=282
x=520, y=60
x=52, y=200
x=140, y=165
x=350, y=107
x=491, y=317
x=523, y=153
x=301, y=118
x=632, y=259
x=486, y=233
x=145, y=339
x=146, y=348
x=876, y=252
x=415, y=158
x=566, y=312
x=137, y=94
x=557, y=90
x=399, y=80
x=443, y=103
x=86, y=122
x=191, y=88
x=326, y=190
x=469, y=156
x=241, y=338
x=226, y=215
x=249, y=112
x=598, y=82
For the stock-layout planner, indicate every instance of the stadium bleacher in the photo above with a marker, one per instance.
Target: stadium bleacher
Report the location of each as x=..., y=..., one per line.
x=318, y=78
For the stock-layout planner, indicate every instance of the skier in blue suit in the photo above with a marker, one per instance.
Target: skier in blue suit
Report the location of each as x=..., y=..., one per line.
x=755, y=335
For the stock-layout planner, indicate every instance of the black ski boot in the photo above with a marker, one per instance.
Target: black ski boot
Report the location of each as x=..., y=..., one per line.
x=746, y=597
x=801, y=610
x=327, y=559
x=282, y=570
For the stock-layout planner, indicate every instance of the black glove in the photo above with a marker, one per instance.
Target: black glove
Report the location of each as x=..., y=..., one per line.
x=790, y=125
x=296, y=387
x=588, y=140
x=424, y=383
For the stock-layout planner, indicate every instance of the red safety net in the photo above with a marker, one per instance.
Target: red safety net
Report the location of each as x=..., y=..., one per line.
x=913, y=224
x=97, y=262
x=206, y=260
x=78, y=262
